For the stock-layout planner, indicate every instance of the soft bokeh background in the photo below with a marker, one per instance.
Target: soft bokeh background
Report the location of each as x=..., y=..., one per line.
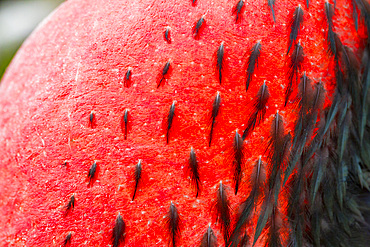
x=17, y=20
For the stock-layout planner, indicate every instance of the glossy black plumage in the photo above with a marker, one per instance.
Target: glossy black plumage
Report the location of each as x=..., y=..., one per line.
x=118, y=233
x=258, y=112
x=295, y=26
x=194, y=172
x=169, y=121
x=173, y=225
x=215, y=110
x=253, y=62
x=137, y=177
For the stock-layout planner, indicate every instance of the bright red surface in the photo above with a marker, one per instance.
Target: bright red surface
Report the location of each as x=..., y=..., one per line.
x=75, y=63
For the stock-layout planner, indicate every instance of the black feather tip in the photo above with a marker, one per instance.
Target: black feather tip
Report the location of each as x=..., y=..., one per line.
x=167, y=35
x=173, y=224
x=198, y=26
x=209, y=238
x=67, y=240
x=92, y=120
x=295, y=65
x=259, y=110
x=223, y=212
x=164, y=72
x=271, y=3
x=125, y=123
x=295, y=26
x=238, y=160
x=118, y=234
x=71, y=204
x=220, y=60
x=253, y=62
x=128, y=77
x=194, y=172
x=170, y=117
x=238, y=9
x=92, y=172
x=137, y=177
x=215, y=110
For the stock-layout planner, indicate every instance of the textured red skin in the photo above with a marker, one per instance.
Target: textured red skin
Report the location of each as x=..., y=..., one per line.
x=75, y=63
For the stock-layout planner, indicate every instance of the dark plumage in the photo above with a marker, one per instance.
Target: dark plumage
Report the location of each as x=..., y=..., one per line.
x=295, y=64
x=197, y=27
x=125, y=123
x=238, y=9
x=173, y=224
x=67, y=240
x=118, y=234
x=222, y=212
x=238, y=160
x=137, y=177
x=92, y=172
x=92, y=120
x=295, y=26
x=215, y=110
x=220, y=61
x=258, y=112
x=127, y=78
x=170, y=117
x=257, y=181
x=271, y=3
x=253, y=62
x=164, y=72
x=209, y=239
x=167, y=35
x=194, y=172
x=71, y=204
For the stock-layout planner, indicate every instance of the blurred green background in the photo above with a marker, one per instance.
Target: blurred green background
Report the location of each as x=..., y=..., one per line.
x=18, y=18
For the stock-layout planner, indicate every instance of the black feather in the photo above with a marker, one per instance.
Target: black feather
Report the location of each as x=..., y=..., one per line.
x=209, y=239
x=220, y=60
x=92, y=120
x=173, y=224
x=265, y=214
x=118, y=234
x=125, y=122
x=215, y=110
x=127, y=78
x=310, y=101
x=164, y=72
x=355, y=14
x=259, y=110
x=332, y=36
x=194, y=171
x=197, y=27
x=364, y=8
x=273, y=234
x=295, y=26
x=137, y=177
x=223, y=211
x=238, y=160
x=92, y=172
x=67, y=240
x=244, y=240
x=257, y=181
x=167, y=35
x=238, y=9
x=308, y=4
x=296, y=60
x=71, y=204
x=271, y=3
x=252, y=62
x=279, y=145
x=170, y=116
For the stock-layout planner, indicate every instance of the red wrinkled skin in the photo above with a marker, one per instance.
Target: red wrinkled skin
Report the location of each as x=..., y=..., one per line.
x=75, y=63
